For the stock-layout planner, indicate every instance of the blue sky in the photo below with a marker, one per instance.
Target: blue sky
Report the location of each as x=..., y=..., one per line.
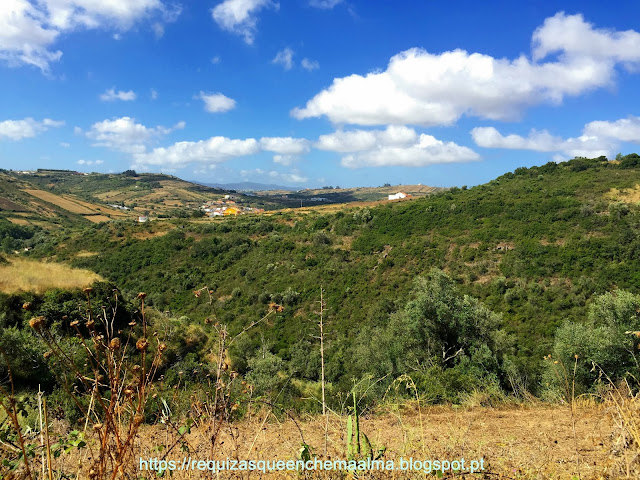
x=316, y=92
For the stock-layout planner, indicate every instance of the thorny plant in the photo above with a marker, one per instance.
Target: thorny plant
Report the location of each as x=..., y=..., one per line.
x=220, y=405
x=110, y=383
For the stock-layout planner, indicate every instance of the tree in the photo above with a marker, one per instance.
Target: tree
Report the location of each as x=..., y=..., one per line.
x=605, y=343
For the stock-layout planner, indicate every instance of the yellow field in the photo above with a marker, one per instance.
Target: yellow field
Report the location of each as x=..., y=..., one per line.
x=97, y=218
x=34, y=276
x=70, y=205
x=18, y=221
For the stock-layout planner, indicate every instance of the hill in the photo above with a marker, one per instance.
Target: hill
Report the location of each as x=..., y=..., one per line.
x=535, y=245
x=48, y=197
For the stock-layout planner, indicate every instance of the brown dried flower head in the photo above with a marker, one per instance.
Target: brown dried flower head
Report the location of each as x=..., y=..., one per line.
x=87, y=290
x=36, y=323
x=142, y=344
x=26, y=306
x=114, y=344
x=142, y=296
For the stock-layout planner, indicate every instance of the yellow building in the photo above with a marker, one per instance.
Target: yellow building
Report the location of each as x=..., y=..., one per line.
x=231, y=211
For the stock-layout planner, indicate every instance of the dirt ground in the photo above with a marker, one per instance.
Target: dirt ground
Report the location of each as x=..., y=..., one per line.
x=515, y=442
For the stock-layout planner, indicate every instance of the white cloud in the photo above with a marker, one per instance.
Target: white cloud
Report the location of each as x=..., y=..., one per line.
x=213, y=150
x=285, y=145
x=90, y=162
x=219, y=149
x=423, y=88
x=542, y=141
x=284, y=160
x=29, y=28
x=217, y=102
x=285, y=58
x=26, y=128
x=111, y=95
x=625, y=129
x=394, y=146
x=154, y=94
x=572, y=35
x=599, y=138
x=215, y=60
x=125, y=135
x=65, y=144
x=324, y=4
x=292, y=177
x=360, y=140
x=427, y=151
x=240, y=16
x=309, y=65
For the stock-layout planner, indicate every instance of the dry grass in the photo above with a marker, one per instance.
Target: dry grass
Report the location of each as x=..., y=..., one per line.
x=97, y=218
x=65, y=203
x=19, y=221
x=630, y=195
x=33, y=276
x=532, y=442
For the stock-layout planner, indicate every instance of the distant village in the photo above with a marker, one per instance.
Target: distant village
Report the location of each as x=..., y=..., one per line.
x=227, y=206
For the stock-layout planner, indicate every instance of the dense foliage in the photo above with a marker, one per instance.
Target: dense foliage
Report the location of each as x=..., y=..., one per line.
x=514, y=260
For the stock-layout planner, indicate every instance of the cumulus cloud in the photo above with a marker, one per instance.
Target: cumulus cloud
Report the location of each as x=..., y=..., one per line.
x=29, y=28
x=111, y=95
x=427, y=151
x=125, y=135
x=240, y=16
x=394, y=146
x=285, y=145
x=217, y=102
x=542, y=141
x=285, y=58
x=309, y=65
x=360, y=140
x=26, y=128
x=599, y=138
x=423, y=88
x=220, y=149
x=213, y=150
x=625, y=129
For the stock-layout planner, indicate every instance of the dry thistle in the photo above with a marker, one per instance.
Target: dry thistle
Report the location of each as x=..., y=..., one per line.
x=36, y=323
x=142, y=296
x=142, y=344
x=87, y=290
x=162, y=347
x=114, y=344
x=26, y=306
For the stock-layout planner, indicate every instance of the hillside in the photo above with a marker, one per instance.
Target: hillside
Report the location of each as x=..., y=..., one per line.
x=535, y=245
x=330, y=195
x=46, y=198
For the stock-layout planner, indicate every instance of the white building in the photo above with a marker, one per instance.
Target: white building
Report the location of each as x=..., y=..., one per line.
x=398, y=196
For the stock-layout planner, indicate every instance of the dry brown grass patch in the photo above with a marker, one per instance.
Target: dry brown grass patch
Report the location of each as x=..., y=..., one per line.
x=34, y=276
